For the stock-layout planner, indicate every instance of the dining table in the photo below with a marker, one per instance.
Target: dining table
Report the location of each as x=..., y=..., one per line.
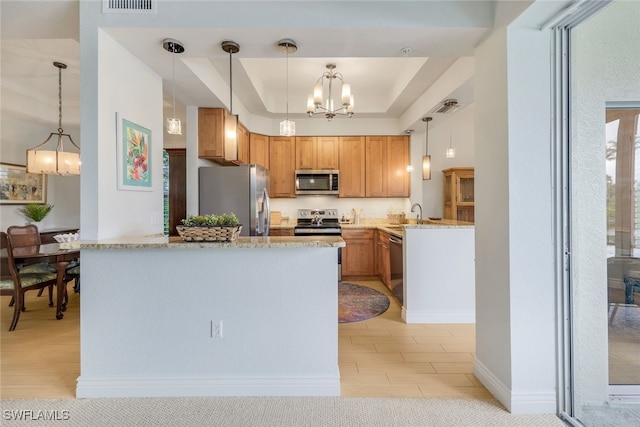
x=52, y=254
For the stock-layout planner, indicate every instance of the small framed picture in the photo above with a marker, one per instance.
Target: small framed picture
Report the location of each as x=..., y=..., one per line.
x=134, y=156
x=19, y=187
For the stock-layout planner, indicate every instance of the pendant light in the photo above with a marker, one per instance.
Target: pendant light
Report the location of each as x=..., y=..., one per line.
x=287, y=127
x=58, y=162
x=451, y=152
x=174, y=127
x=231, y=122
x=426, y=159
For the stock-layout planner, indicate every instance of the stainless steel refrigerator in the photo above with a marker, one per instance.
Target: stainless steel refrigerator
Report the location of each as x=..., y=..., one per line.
x=243, y=190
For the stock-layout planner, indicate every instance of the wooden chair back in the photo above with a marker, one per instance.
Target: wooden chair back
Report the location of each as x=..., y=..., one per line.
x=24, y=235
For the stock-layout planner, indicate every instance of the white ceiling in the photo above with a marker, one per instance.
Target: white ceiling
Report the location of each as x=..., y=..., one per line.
x=364, y=39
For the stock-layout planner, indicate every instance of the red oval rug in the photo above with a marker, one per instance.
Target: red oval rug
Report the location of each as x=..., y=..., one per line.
x=356, y=303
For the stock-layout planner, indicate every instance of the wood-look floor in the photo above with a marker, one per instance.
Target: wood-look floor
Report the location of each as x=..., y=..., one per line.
x=377, y=357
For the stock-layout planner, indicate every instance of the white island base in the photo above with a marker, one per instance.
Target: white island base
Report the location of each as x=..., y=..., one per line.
x=258, y=317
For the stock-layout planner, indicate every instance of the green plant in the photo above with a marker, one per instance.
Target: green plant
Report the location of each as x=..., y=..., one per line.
x=211, y=220
x=35, y=211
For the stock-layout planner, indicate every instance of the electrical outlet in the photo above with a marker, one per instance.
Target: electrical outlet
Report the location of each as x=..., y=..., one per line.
x=216, y=329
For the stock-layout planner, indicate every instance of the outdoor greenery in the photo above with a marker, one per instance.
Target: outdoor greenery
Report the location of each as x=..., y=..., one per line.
x=211, y=220
x=35, y=211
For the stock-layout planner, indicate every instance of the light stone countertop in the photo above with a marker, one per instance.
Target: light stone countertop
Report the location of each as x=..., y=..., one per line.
x=162, y=242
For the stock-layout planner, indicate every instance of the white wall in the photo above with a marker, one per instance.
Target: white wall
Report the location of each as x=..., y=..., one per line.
x=17, y=136
x=122, y=79
x=606, y=60
x=514, y=249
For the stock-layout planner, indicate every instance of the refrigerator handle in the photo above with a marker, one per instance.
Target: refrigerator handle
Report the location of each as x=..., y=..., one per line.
x=267, y=217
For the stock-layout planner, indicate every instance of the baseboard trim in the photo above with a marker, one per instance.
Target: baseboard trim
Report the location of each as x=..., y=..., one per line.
x=199, y=387
x=437, y=317
x=530, y=402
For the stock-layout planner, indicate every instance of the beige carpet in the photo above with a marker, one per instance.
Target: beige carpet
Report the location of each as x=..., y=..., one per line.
x=265, y=412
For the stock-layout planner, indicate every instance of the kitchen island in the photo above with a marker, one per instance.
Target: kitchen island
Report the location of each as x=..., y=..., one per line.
x=254, y=317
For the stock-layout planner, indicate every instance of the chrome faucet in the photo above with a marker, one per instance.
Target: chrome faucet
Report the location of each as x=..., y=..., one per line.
x=419, y=214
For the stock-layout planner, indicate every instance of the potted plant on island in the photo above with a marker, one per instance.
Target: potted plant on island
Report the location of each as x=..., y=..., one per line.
x=210, y=228
x=35, y=212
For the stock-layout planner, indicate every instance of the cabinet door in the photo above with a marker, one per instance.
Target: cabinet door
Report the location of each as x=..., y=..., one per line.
x=352, y=166
x=210, y=132
x=259, y=149
x=398, y=181
x=306, y=152
x=282, y=159
x=358, y=254
x=376, y=170
x=327, y=148
x=243, y=144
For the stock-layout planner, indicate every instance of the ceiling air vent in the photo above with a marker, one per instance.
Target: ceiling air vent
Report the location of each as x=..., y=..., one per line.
x=447, y=106
x=129, y=6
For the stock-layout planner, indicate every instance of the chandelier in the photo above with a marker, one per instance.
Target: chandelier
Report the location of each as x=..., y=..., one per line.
x=321, y=102
x=58, y=162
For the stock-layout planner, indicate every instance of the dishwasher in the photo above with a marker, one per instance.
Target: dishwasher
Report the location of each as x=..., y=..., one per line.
x=396, y=266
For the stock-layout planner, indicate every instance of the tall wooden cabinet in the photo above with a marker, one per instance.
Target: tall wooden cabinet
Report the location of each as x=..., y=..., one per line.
x=459, y=198
x=352, y=166
x=177, y=188
x=282, y=166
x=387, y=158
x=259, y=149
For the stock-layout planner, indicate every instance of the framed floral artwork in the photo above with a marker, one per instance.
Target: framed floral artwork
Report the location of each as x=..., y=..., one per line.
x=134, y=156
x=19, y=187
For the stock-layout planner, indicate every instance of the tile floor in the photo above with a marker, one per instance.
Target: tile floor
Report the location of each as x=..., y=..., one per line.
x=378, y=357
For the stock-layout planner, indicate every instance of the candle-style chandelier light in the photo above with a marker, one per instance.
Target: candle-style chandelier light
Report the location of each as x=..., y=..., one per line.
x=322, y=102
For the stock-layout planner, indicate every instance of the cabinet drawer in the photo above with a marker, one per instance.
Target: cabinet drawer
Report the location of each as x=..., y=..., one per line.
x=357, y=233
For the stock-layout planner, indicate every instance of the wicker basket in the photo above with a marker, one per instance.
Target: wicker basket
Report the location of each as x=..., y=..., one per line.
x=396, y=218
x=209, y=234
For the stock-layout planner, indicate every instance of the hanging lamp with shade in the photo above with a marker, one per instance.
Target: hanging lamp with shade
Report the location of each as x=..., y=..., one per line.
x=231, y=121
x=321, y=102
x=426, y=159
x=58, y=161
x=174, y=126
x=451, y=152
x=287, y=127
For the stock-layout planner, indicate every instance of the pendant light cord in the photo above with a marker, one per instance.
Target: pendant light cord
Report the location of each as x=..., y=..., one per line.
x=60, y=100
x=287, y=73
x=230, y=82
x=427, y=143
x=173, y=83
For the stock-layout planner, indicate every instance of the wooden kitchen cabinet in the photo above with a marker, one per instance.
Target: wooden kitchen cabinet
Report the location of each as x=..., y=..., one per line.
x=459, y=197
x=317, y=152
x=282, y=166
x=387, y=158
x=259, y=149
x=243, y=144
x=214, y=126
x=281, y=232
x=358, y=254
x=352, y=166
x=383, y=267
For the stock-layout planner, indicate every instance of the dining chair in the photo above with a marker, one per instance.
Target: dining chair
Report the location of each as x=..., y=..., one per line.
x=18, y=282
x=27, y=236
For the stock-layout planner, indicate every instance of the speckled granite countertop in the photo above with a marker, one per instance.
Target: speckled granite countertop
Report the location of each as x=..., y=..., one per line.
x=161, y=242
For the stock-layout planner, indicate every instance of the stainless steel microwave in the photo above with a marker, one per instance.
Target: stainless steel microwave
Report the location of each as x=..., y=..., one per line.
x=314, y=182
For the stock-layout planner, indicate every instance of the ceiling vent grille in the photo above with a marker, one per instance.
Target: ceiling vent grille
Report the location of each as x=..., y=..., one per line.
x=129, y=6
x=447, y=106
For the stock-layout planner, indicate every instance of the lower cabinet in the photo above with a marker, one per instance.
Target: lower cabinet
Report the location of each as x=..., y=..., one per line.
x=358, y=254
x=281, y=232
x=383, y=267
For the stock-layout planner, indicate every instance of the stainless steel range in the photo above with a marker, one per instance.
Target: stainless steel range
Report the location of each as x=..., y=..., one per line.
x=320, y=222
